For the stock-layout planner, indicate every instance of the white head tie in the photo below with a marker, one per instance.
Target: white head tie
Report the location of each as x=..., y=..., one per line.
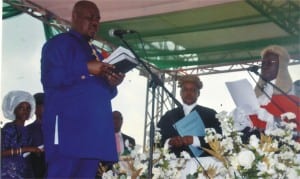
x=13, y=99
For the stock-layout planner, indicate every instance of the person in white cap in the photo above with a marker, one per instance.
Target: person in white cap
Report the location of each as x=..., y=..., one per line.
x=274, y=69
x=18, y=106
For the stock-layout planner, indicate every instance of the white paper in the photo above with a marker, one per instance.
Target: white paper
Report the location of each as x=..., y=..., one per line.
x=243, y=96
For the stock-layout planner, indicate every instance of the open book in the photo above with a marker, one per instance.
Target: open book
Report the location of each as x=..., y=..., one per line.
x=122, y=59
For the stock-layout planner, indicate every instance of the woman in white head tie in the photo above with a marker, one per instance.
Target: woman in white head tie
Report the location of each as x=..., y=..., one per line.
x=18, y=106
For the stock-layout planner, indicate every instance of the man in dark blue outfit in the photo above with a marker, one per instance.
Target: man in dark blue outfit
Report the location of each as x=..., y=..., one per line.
x=190, y=90
x=78, y=124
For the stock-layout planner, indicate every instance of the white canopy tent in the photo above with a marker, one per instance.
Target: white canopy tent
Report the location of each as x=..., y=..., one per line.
x=114, y=11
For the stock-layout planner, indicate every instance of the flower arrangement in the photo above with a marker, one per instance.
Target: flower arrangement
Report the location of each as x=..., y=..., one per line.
x=135, y=165
x=270, y=155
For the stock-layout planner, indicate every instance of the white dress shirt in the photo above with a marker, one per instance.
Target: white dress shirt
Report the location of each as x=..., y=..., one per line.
x=187, y=109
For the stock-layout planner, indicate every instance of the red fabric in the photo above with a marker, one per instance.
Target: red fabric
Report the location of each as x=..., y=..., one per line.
x=286, y=104
x=104, y=53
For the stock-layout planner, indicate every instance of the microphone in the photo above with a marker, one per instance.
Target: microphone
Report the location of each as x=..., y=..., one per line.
x=253, y=69
x=120, y=32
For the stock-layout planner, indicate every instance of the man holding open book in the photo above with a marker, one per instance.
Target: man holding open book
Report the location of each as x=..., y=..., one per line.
x=78, y=123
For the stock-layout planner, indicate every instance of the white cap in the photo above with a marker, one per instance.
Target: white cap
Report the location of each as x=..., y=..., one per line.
x=13, y=99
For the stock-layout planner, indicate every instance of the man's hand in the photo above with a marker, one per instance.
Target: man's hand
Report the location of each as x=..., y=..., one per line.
x=181, y=141
x=175, y=141
x=187, y=140
x=99, y=68
x=114, y=79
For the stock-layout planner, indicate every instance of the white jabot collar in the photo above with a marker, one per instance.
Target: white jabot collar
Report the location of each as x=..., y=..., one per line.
x=188, y=108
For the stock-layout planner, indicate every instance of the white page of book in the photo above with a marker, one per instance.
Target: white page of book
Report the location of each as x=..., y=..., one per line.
x=243, y=95
x=120, y=50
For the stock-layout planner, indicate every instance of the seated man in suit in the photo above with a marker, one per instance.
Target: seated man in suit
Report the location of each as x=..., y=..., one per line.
x=35, y=131
x=124, y=142
x=190, y=90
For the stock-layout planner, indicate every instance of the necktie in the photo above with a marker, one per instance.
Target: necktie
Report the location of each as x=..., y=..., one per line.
x=117, y=136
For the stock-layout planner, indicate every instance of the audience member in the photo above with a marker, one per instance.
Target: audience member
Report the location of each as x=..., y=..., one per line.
x=36, y=133
x=124, y=142
x=77, y=120
x=297, y=88
x=18, y=106
x=190, y=86
x=274, y=69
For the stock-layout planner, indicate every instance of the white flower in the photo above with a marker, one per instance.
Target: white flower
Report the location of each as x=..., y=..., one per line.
x=234, y=162
x=143, y=156
x=135, y=151
x=109, y=175
x=291, y=125
x=288, y=116
x=227, y=143
x=172, y=163
x=276, y=132
x=273, y=157
x=156, y=155
x=185, y=155
x=296, y=145
x=157, y=173
x=127, y=144
x=292, y=173
x=271, y=171
x=262, y=168
x=157, y=136
x=221, y=115
x=281, y=166
x=210, y=131
x=254, y=141
x=170, y=156
x=246, y=158
x=241, y=119
x=139, y=165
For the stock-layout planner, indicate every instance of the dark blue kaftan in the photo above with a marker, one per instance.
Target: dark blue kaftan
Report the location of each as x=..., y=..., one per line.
x=16, y=166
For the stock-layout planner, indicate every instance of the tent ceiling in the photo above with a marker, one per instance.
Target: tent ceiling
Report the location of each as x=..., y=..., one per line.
x=124, y=9
x=226, y=33
x=180, y=34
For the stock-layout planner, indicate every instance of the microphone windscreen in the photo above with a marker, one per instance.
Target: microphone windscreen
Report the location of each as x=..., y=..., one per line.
x=111, y=32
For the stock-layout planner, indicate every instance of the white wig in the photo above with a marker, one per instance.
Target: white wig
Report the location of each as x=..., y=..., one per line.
x=283, y=79
x=13, y=99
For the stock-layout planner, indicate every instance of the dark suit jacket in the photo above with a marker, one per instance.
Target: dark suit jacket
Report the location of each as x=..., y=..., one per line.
x=131, y=143
x=167, y=130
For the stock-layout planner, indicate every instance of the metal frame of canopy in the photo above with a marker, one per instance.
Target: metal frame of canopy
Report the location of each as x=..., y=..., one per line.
x=283, y=17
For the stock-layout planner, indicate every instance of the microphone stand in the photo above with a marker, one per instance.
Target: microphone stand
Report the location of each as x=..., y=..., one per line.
x=155, y=81
x=277, y=88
